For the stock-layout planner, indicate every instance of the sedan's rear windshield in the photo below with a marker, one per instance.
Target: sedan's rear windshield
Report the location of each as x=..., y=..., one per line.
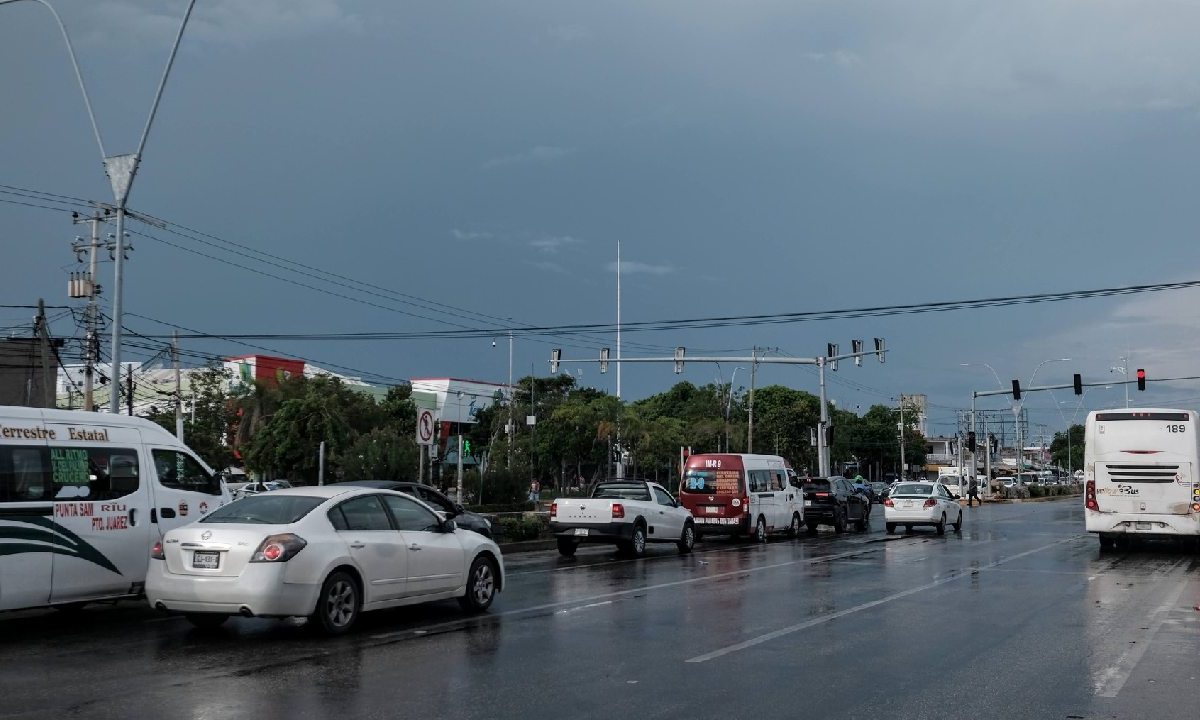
x=816, y=485
x=267, y=509
x=922, y=489
x=622, y=491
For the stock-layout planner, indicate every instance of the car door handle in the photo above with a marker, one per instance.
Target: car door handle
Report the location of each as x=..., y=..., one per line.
x=133, y=517
x=414, y=547
x=358, y=545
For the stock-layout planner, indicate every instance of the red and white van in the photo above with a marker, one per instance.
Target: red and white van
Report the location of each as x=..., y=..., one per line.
x=738, y=494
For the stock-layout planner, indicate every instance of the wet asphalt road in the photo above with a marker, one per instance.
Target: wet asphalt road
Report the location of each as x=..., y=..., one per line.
x=1020, y=616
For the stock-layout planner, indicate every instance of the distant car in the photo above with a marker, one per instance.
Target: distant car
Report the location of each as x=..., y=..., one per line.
x=922, y=503
x=864, y=489
x=431, y=496
x=256, y=488
x=881, y=490
x=834, y=501
x=327, y=553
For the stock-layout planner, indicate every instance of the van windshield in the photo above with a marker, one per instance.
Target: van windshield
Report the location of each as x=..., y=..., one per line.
x=712, y=482
x=268, y=509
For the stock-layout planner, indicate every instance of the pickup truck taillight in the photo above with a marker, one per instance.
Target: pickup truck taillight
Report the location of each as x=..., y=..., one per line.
x=1090, y=496
x=553, y=509
x=618, y=510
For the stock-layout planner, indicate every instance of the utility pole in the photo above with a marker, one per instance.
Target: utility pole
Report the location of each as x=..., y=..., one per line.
x=43, y=341
x=750, y=423
x=84, y=285
x=128, y=389
x=512, y=427
x=459, y=482
x=822, y=439
x=178, y=387
x=903, y=465
x=987, y=460
x=974, y=467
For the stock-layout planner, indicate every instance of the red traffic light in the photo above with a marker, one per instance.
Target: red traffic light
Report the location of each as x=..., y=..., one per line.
x=1141, y=379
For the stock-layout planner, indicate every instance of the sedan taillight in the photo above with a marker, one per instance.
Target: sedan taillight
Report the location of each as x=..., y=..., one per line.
x=931, y=502
x=278, y=548
x=156, y=552
x=887, y=502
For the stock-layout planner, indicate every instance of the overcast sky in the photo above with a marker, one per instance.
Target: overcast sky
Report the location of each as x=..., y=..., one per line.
x=751, y=157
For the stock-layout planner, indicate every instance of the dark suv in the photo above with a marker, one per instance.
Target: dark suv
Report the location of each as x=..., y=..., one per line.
x=834, y=501
x=464, y=518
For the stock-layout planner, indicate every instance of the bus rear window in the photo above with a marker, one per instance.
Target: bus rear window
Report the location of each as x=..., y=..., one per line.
x=712, y=482
x=1168, y=416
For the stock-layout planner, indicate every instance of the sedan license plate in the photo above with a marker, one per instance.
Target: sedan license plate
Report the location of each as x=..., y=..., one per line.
x=906, y=503
x=711, y=509
x=581, y=531
x=206, y=559
x=1142, y=525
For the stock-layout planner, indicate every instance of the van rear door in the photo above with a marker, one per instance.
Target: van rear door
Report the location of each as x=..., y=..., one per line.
x=714, y=490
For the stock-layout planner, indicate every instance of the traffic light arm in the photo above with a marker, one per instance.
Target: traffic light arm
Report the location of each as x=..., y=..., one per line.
x=987, y=393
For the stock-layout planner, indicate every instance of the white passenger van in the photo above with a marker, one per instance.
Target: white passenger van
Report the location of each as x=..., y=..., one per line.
x=83, y=498
x=736, y=494
x=1141, y=469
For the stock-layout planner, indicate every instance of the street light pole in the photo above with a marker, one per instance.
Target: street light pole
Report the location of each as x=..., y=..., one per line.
x=121, y=170
x=822, y=441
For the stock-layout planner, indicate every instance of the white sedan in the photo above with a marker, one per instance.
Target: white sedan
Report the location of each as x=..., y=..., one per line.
x=326, y=553
x=913, y=503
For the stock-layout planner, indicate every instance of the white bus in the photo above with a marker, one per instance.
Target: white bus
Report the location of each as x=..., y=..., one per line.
x=1142, y=473
x=83, y=498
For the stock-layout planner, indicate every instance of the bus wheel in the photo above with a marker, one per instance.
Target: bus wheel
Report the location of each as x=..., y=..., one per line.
x=1107, y=542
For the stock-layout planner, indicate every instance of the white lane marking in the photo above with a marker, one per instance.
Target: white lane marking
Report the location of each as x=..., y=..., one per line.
x=649, y=588
x=1114, y=678
x=961, y=573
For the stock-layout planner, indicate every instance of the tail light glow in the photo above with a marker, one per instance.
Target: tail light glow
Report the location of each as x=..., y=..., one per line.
x=156, y=553
x=553, y=509
x=1090, y=496
x=278, y=548
x=931, y=502
x=887, y=502
x=618, y=510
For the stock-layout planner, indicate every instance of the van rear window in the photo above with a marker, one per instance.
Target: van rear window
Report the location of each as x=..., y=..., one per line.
x=712, y=482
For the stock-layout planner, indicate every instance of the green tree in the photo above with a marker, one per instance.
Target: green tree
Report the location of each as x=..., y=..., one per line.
x=1060, y=445
x=210, y=420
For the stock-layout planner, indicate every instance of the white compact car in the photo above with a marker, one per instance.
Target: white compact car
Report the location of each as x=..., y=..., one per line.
x=931, y=504
x=326, y=553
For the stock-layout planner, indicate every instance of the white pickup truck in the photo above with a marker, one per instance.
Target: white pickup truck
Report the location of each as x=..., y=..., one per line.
x=629, y=513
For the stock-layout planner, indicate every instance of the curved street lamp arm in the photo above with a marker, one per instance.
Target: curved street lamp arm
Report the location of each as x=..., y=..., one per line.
x=162, y=83
x=87, y=101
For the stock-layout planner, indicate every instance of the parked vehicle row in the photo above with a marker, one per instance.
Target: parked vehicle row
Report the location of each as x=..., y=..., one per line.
x=720, y=494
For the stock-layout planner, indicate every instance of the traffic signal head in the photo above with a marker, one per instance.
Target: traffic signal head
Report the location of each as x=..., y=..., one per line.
x=971, y=440
x=1078, y=384
x=555, y=358
x=1016, y=390
x=1141, y=377
x=466, y=447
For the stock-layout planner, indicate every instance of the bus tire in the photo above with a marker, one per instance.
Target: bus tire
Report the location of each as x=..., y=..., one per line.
x=1107, y=542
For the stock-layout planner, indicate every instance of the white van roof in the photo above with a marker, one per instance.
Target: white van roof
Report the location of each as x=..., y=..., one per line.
x=151, y=431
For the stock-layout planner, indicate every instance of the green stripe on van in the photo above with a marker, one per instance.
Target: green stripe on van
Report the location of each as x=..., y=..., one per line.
x=44, y=535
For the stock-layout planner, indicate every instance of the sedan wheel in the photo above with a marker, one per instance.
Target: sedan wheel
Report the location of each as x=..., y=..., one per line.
x=481, y=586
x=941, y=526
x=338, y=605
x=958, y=524
x=891, y=528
